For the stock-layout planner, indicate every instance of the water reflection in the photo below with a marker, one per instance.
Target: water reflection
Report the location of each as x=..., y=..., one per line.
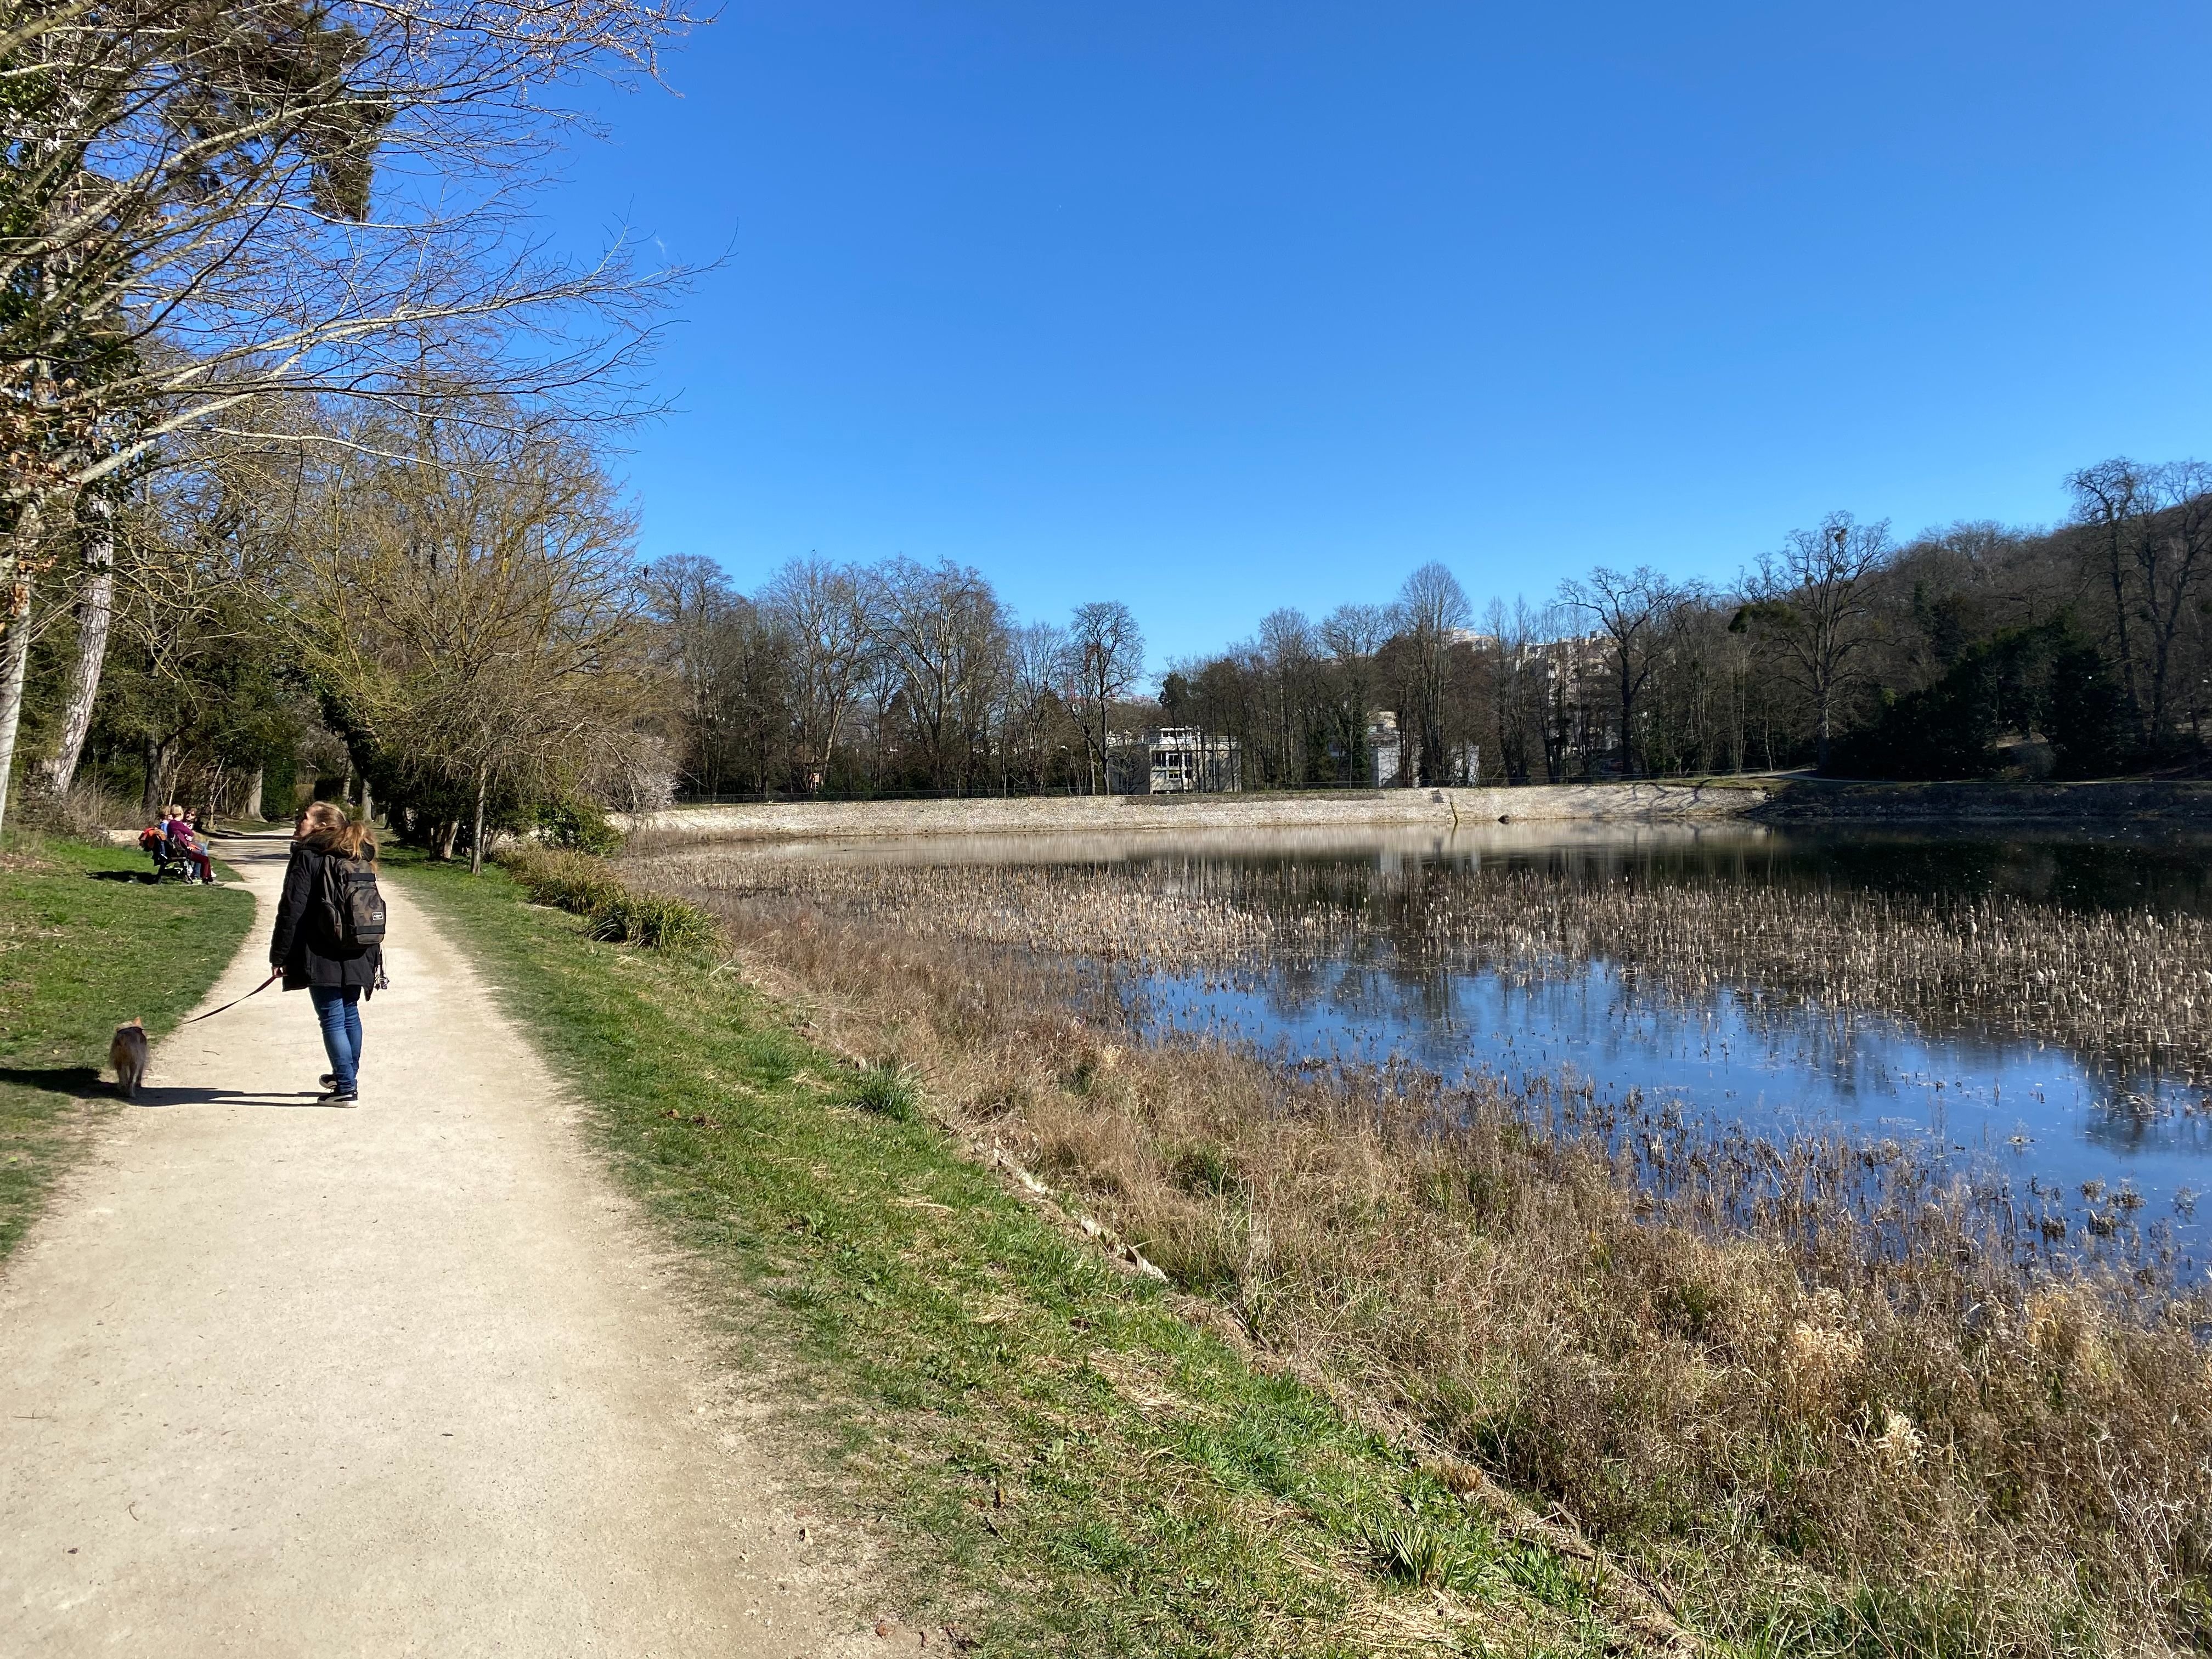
x=2030, y=1107
x=1723, y=1050
x=2026, y=1105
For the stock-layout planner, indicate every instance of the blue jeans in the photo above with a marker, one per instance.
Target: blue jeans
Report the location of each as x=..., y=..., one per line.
x=338, y=1008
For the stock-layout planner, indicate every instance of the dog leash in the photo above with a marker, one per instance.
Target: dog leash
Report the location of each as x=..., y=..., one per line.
x=234, y=1001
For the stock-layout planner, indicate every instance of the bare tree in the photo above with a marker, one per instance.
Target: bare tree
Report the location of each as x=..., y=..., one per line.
x=155, y=568
x=1435, y=610
x=692, y=607
x=1516, y=683
x=944, y=634
x=2173, y=569
x=29, y=557
x=1814, y=599
x=2114, y=498
x=828, y=611
x=1288, y=654
x=1036, y=665
x=1352, y=634
x=1105, y=657
x=1629, y=610
x=197, y=222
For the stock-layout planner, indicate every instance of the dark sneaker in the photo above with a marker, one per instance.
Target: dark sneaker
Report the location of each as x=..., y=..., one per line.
x=328, y=1079
x=339, y=1098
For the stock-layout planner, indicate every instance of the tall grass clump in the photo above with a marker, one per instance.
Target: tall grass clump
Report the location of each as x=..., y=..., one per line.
x=886, y=1088
x=86, y=809
x=588, y=885
x=1814, y=1389
x=652, y=920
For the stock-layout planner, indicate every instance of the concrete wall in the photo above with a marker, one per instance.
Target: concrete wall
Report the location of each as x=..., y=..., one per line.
x=1440, y=809
x=2104, y=803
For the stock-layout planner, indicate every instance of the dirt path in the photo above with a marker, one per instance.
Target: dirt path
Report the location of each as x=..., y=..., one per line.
x=287, y=1379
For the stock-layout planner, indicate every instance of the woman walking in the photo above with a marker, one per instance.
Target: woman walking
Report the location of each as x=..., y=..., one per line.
x=337, y=978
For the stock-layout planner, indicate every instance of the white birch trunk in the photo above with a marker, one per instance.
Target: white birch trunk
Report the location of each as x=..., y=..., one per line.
x=95, y=611
x=16, y=644
x=476, y=845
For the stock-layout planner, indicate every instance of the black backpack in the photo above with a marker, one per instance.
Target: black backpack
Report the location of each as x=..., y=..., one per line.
x=353, y=909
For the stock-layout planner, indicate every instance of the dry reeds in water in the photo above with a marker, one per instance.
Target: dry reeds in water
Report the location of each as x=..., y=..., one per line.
x=1838, y=1414
x=2130, y=991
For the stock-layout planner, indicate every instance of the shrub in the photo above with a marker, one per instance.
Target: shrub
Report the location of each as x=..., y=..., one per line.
x=578, y=824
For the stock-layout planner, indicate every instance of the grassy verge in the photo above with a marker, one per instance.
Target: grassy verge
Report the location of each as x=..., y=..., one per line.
x=1062, y=1461
x=84, y=946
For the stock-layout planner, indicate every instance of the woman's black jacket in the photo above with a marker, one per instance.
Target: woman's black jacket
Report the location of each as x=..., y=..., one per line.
x=301, y=944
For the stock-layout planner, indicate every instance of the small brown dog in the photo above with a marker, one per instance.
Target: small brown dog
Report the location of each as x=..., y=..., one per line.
x=127, y=1054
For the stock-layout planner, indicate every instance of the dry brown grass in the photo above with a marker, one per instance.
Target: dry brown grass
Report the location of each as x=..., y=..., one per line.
x=1836, y=1413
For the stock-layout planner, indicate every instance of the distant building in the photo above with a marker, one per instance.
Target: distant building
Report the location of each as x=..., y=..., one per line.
x=1395, y=757
x=1384, y=751
x=1188, y=761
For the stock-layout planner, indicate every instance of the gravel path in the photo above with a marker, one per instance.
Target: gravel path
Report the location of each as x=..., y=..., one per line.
x=407, y=1379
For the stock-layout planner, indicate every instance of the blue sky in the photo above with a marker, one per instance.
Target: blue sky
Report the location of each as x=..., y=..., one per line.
x=1217, y=308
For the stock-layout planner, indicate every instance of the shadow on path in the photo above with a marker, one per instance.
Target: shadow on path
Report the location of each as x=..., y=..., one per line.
x=85, y=1083
x=151, y=1096
x=56, y=1079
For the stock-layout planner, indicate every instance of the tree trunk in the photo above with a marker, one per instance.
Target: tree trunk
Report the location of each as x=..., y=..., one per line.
x=1627, y=721
x=250, y=807
x=15, y=635
x=476, y=844
x=15, y=665
x=96, y=609
x=367, y=801
x=448, y=833
x=159, y=757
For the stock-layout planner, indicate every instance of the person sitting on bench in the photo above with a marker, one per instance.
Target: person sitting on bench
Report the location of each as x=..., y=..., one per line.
x=178, y=828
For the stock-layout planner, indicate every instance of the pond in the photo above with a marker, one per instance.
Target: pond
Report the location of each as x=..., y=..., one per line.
x=2035, y=1003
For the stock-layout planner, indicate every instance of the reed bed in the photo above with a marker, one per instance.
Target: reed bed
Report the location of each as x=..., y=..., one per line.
x=1815, y=1391
x=2128, y=993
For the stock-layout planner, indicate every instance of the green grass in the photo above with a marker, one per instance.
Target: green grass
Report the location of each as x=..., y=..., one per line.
x=81, y=952
x=1061, y=1463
